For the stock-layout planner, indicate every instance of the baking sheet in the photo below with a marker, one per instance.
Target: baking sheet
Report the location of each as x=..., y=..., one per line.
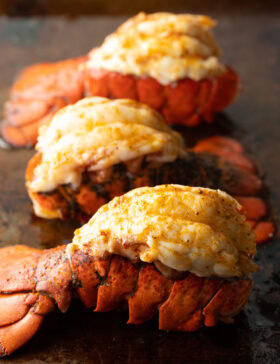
x=251, y=44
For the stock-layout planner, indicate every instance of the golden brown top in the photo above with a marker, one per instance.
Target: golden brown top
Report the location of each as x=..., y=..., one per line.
x=96, y=133
x=165, y=46
x=185, y=228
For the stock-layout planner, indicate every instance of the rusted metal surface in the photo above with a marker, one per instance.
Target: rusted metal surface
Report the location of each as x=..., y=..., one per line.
x=251, y=44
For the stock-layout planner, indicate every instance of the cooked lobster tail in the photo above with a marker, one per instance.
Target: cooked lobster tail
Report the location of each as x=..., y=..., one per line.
x=34, y=282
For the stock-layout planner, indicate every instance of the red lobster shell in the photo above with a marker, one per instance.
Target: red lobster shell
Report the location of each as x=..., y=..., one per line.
x=184, y=102
x=34, y=282
x=42, y=89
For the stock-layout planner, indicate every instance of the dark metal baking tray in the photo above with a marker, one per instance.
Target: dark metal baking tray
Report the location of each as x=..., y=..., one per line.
x=251, y=43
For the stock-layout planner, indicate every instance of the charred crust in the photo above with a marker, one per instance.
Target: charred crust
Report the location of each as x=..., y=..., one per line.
x=67, y=191
x=195, y=169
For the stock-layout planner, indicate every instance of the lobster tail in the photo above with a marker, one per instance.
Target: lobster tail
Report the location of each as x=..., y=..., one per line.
x=187, y=90
x=34, y=282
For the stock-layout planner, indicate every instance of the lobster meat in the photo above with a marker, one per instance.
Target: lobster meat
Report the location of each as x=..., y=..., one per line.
x=33, y=282
x=216, y=162
x=201, y=88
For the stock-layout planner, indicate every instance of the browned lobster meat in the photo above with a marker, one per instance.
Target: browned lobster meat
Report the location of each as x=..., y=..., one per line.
x=201, y=276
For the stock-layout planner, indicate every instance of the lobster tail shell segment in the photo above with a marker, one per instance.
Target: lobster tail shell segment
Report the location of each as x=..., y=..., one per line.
x=153, y=288
x=54, y=276
x=17, y=268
